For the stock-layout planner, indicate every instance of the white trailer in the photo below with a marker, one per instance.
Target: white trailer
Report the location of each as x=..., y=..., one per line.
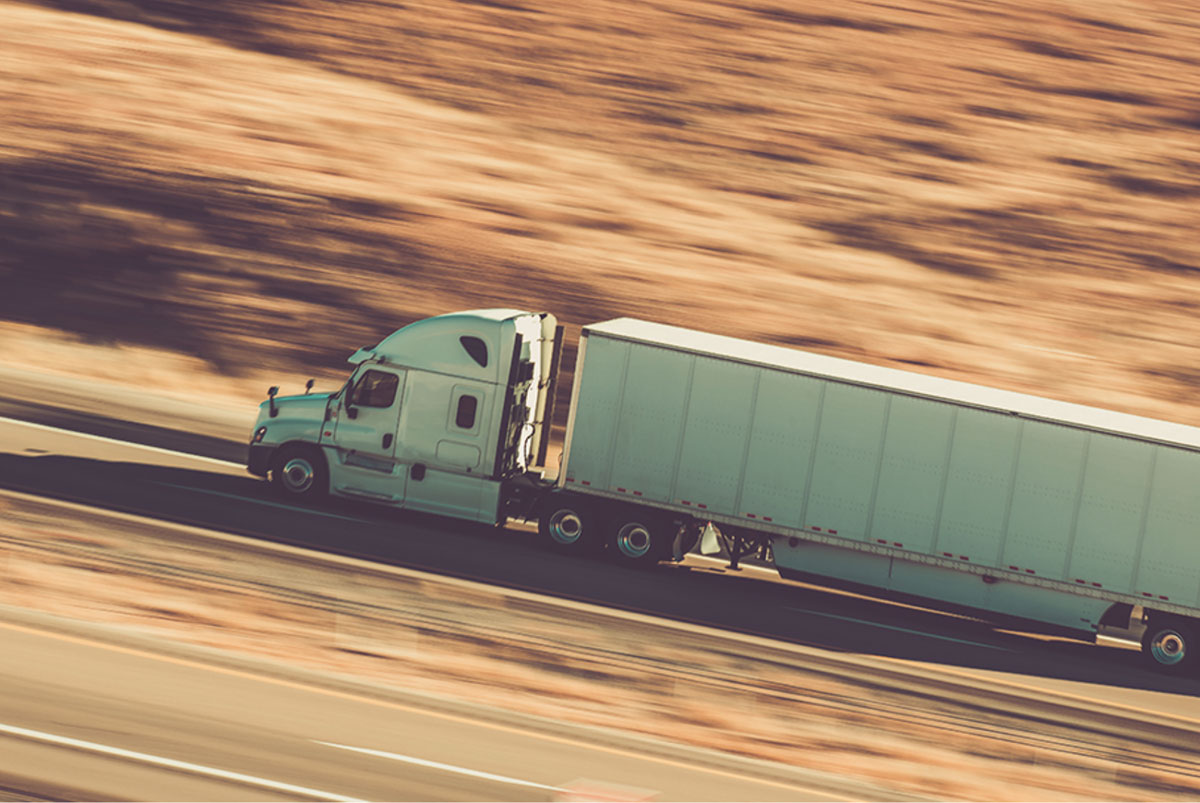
x=1004, y=504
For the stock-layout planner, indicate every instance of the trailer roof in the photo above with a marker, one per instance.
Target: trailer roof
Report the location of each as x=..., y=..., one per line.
x=908, y=382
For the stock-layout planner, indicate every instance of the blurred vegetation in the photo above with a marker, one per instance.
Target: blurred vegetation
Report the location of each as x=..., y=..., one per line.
x=931, y=185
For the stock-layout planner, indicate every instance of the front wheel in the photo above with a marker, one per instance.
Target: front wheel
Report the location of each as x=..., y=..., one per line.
x=1170, y=645
x=299, y=473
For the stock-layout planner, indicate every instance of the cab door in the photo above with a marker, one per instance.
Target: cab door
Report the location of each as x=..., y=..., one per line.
x=365, y=435
x=449, y=476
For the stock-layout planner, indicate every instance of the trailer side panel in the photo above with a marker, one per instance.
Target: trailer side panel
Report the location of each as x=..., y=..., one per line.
x=978, y=486
x=912, y=474
x=1169, y=567
x=719, y=409
x=1108, y=528
x=596, y=401
x=1044, y=499
x=779, y=461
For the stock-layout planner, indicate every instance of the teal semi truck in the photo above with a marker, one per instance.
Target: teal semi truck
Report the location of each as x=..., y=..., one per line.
x=1003, y=504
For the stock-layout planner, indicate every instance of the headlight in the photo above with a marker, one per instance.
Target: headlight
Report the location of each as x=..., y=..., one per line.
x=259, y=434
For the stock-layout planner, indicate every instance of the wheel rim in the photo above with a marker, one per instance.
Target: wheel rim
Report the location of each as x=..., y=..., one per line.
x=565, y=526
x=634, y=540
x=1168, y=647
x=297, y=475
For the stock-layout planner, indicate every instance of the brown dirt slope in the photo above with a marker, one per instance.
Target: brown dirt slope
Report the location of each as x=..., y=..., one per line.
x=1004, y=192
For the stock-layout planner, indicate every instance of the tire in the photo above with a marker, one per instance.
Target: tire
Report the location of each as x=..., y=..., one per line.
x=1170, y=645
x=299, y=472
x=568, y=525
x=691, y=536
x=638, y=539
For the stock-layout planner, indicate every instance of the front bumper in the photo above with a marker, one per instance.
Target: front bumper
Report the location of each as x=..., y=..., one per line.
x=259, y=459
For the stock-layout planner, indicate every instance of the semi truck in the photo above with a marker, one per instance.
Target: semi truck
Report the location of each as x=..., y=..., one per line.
x=1005, y=505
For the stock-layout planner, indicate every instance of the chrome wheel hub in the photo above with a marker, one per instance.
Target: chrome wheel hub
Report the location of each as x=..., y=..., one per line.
x=634, y=540
x=565, y=526
x=1168, y=648
x=297, y=475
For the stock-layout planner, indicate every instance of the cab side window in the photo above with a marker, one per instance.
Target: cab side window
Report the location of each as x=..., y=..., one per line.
x=464, y=414
x=476, y=348
x=375, y=389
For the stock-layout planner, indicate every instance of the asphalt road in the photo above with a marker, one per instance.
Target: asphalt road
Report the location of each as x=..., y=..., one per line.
x=219, y=495
x=85, y=719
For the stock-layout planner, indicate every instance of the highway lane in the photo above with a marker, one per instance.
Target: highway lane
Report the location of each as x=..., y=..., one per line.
x=222, y=496
x=204, y=443
x=140, y=724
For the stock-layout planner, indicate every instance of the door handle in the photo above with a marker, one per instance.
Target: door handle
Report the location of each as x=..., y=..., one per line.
x=387, y=441
x=417, y=472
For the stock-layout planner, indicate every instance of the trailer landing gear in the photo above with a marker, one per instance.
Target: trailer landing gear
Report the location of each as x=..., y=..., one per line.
x=739, y=543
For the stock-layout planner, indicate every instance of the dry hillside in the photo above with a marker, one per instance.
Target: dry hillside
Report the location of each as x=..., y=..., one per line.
x=1004, y=191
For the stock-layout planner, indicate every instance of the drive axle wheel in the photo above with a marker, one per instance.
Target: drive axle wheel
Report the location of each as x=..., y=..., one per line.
x=1169, y=644
x=567, y=525
x=299, y=472
x=638, y=540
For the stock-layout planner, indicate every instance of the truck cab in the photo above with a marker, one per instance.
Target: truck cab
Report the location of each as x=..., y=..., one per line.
x=438, y=416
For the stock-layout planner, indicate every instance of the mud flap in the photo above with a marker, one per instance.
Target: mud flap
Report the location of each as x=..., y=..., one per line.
x=710, y=540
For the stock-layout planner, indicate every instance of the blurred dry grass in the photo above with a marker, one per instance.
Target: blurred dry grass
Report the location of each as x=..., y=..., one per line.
x=1003, y=192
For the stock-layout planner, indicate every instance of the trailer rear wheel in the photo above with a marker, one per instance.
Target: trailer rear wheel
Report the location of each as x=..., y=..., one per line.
x=1170, y=645
x=568, y=525
x=635, y=539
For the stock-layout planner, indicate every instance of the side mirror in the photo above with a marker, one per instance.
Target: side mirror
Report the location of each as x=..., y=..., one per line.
x=271, y=391
x=308, y=386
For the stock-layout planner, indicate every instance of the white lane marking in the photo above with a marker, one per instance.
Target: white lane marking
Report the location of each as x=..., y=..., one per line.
x=261, y=501
x=421, y=762
x=171, y=763
x=901, y=629
x=102, y=439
